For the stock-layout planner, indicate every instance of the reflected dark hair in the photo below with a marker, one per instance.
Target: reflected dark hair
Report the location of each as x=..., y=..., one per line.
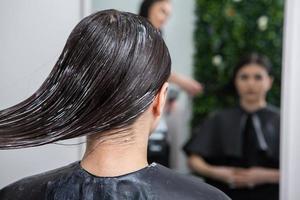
x=109, y=72
x=253, y=58
x=145, y=7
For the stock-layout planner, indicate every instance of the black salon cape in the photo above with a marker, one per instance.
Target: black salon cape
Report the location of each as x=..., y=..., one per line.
x=74, y=183
x=221, y=141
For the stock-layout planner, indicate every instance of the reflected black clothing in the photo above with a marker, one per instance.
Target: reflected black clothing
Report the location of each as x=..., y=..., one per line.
x=236, y=138
x=74, y=183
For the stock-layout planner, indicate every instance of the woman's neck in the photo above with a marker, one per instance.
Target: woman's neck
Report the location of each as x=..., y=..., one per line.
x=115, y=157
x=253, y=106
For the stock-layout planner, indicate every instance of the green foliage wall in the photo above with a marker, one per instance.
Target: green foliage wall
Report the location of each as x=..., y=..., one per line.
x=226, y=30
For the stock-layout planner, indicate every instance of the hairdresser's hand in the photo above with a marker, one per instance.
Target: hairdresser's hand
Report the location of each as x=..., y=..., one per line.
x=191, y=86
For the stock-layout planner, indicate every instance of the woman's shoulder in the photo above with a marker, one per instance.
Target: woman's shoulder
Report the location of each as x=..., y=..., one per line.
x=238, y=111
x=173, y=185
x=152, y=183
x=272, y=109
x=33, y=187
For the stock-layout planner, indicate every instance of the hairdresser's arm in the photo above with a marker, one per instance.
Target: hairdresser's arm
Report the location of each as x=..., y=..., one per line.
x=191, y=86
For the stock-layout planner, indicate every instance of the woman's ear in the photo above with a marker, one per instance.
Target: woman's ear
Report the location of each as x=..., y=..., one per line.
x=160, y=100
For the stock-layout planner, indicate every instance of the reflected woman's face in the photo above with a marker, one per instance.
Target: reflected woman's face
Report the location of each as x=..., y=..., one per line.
x=253, y=82
x=159, y=13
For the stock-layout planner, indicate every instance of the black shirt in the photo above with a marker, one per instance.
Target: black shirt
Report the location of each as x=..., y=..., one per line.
x=234, y=137
x=73, y=182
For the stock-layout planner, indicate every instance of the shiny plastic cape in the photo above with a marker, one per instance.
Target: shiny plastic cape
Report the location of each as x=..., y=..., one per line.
x=74, y=183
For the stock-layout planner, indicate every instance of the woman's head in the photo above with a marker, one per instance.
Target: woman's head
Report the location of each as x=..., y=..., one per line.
x=252, y=77
x=156, y=11
x=110, y=71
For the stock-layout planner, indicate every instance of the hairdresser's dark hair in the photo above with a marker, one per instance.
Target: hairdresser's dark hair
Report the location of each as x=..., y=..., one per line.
x=111, y=68
x=251, y=58
x=145, y=7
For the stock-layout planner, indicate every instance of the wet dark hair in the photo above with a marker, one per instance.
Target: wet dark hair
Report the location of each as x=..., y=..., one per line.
x=145, y=7
x=109, y=72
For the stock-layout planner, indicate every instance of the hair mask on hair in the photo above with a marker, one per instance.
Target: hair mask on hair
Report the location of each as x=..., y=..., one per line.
x=110, y=70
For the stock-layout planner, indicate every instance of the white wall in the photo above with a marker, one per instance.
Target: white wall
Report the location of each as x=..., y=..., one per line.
x=127, y=5
x=290, y=131
x=178, y=35
x=179, y=38
x=31, y=38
